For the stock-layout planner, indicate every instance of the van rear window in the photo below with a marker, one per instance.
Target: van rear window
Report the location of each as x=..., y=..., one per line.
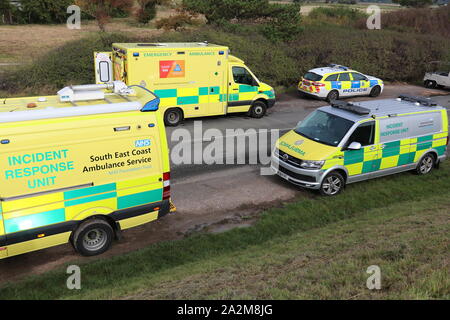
x=312, y=76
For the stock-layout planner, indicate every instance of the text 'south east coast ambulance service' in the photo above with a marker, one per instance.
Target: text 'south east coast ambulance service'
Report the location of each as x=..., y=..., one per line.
x=80, y=166
x=191, y=79
x=345, y=143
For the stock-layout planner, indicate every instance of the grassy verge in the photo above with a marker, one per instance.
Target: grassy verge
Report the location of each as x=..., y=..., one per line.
x=311, y=248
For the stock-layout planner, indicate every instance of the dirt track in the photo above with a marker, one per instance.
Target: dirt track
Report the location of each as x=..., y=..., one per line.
x=209, y=198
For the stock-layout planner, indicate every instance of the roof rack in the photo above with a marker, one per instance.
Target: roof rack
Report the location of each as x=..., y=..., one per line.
x=92, y=91
x=343, y=105
x=421, y=100
x=338, y=66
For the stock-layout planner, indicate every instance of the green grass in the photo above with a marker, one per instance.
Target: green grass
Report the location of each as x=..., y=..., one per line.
x=311, y=248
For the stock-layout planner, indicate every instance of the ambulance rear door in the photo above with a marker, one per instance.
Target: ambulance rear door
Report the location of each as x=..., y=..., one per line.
x=103, y=67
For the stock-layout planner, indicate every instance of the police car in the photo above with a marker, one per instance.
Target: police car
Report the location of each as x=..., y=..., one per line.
x=336, y=81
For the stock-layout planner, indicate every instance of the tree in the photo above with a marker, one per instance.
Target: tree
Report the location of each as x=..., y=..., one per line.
x=414, y=3
x=5, y=12
x=102, y=10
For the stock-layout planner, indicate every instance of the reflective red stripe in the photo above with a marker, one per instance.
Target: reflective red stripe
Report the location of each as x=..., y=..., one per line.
x=166, y=184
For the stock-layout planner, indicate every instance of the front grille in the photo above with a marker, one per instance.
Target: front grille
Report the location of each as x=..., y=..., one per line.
x=290, y=159
x=297, y=176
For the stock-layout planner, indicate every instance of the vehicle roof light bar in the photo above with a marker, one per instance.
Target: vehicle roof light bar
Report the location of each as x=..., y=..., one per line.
x=338, y=66
x=343, y=105
x=427, y=102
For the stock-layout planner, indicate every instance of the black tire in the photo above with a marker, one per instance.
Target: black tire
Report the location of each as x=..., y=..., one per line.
x=258, y=109
x=332, y=95
x=430, y=84
x=375, y=92
x=332, y=184
x=93, y=237
x=173, y=117
x=426, y=164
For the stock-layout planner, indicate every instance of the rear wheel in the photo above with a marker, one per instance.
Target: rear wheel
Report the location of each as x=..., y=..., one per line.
x=258, y=109
x=426, y=164
x=332, y=95
x=173, y=117
x=93, y=237
x=332, y=184
x=430, y=84
x=375, y=92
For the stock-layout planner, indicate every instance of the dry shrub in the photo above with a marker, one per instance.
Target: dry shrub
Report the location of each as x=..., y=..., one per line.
x=419, y=20
x=177, y=21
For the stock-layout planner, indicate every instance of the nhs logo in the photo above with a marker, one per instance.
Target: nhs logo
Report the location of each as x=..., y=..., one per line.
x=142, y=143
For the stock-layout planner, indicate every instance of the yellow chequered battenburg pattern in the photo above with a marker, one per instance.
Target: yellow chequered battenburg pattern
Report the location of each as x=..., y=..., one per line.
x=29, y=213
x=185, y=96
x=396, y=153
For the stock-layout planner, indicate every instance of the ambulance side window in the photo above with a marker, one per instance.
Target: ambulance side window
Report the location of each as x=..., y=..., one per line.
x=242, y=76
x=344, y=77
x=364, y=134
x=333, y=77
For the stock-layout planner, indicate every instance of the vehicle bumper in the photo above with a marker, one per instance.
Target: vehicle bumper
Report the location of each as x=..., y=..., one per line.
x=320, y=95
x=270, y=103
x=306, y=178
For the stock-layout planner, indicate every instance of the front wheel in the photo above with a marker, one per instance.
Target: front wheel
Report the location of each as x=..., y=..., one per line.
x=426, y=164
x=93, y=237
x=258, y=109
x=332, y=184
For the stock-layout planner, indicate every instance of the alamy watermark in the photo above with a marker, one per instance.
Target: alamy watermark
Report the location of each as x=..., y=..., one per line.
x=228, y=147
x=74, y=278
x=374, y=280
x=374, y=20
x=74, y=20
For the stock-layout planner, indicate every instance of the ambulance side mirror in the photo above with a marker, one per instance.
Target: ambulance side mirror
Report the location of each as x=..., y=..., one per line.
x=354, y=146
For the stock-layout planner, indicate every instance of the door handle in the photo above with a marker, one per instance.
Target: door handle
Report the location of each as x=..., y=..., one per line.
x=235, y=89
x=373, y=148
x=126, y=128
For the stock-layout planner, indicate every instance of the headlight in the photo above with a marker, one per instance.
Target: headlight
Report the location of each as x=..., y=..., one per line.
x=306, y=164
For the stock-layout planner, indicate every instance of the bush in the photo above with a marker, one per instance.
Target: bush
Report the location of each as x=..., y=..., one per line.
x=425, y=20
x=285, y=24
x=42, y=11
x=215, y=10
x=414, y=3
x=176, y=22
x=336, y=15
x=146, y=11
x=279, y=22
x=69, y=64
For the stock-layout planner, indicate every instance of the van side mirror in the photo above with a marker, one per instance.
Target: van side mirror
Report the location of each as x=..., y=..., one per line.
x=354, y=146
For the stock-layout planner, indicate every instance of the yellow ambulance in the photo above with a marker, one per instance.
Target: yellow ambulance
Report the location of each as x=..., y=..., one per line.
x=345, y=143
x=191, y=79
x=80, y=167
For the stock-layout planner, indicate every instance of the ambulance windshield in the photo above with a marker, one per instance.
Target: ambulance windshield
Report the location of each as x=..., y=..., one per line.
x=324, y=127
